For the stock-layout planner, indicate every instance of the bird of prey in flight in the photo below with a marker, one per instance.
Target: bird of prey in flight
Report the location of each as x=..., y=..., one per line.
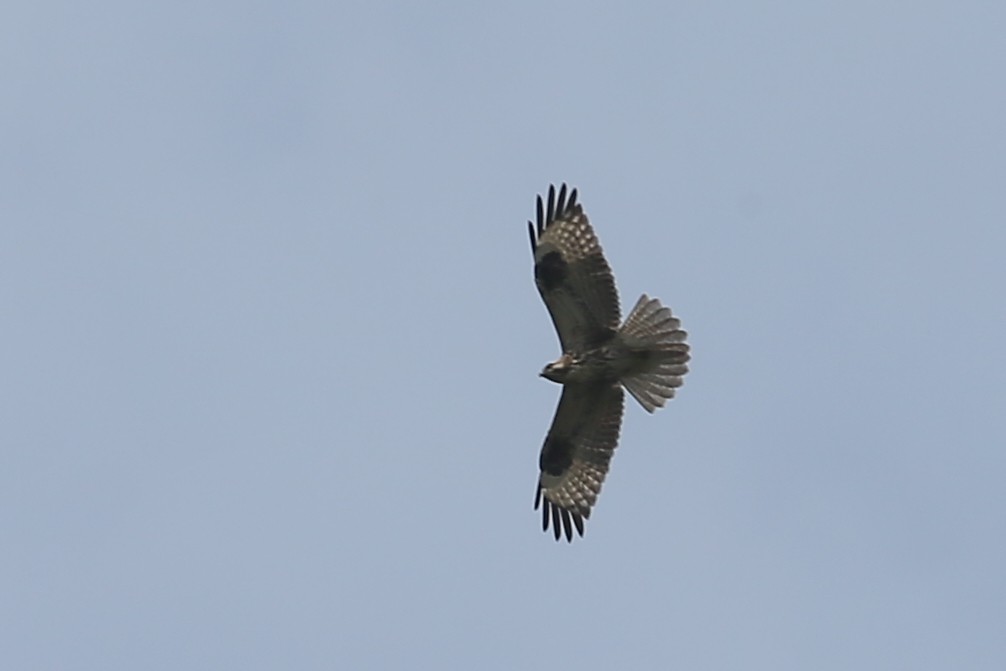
x=647, y=355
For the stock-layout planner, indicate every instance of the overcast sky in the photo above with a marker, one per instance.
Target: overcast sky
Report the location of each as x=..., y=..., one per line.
x=270, y=337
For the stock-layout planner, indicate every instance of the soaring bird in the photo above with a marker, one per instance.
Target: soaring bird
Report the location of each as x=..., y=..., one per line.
x=647, y=355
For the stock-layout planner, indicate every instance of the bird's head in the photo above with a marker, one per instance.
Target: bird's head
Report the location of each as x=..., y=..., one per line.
x=558, y=370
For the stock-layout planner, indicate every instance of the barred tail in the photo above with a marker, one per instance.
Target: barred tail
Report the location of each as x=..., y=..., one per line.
x=652, y=331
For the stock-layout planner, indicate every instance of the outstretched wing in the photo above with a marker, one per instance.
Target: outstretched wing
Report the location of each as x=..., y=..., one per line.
x=572, y=275
x=576, y=455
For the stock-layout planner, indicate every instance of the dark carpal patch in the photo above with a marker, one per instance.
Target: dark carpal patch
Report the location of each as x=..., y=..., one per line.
x=551, y=271
x=556, y=456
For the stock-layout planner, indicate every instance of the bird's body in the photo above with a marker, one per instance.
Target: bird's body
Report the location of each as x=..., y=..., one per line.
x=608, y=363
x=647, y=355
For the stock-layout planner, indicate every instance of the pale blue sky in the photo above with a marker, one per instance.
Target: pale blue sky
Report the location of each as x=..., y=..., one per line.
x=271, y=339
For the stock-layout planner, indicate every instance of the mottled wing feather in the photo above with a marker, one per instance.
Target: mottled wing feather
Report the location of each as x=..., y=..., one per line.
x=572, y=275
x=576, y=455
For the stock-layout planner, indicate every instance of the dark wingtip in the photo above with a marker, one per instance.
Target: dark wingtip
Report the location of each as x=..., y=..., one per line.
x=551, y=205
x=541, y=216
x=567, y=525
x=554, y=205
x=534, y=241
x=562, y=521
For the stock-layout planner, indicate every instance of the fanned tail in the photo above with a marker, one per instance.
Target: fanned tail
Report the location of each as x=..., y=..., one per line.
x=655, y=333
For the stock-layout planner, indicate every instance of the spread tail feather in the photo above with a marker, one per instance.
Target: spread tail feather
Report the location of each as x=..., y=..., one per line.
x=656, y=334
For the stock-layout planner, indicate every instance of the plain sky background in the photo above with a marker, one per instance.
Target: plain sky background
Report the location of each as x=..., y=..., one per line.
x=270, y=338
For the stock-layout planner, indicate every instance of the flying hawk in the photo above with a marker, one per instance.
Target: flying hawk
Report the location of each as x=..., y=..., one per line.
x=647, y=355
